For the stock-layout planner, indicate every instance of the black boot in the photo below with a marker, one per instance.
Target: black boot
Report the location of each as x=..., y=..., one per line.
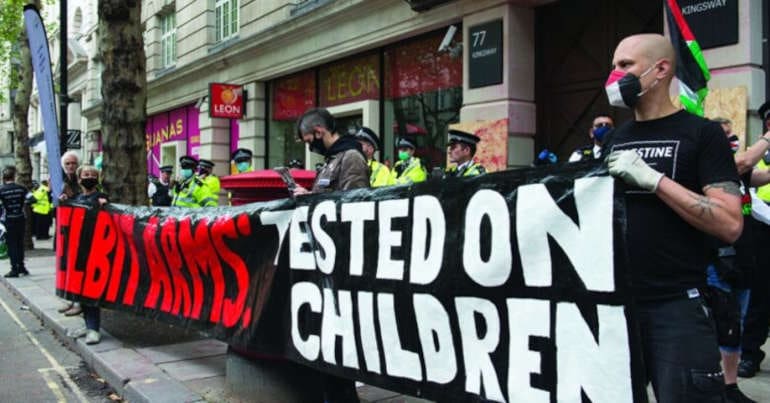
x=12, y=274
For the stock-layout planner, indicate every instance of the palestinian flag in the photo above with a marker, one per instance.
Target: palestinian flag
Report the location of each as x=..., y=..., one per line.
x=691, y=69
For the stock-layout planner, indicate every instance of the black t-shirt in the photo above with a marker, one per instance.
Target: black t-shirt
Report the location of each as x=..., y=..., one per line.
x=92, y=199
x=667, y=255
x=13, y=196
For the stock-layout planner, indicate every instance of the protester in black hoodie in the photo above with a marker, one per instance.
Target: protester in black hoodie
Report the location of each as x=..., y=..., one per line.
x=345, y=167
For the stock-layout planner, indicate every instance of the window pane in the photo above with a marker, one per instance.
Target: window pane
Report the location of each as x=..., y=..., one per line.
x=423, y=90
x=234, y=21
x=218, y=23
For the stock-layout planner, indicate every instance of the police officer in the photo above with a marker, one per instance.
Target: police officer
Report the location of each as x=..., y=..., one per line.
x=755, y=329
x=408, y=169
x=13, y=197
x=208, y=178
x=602, y=124
x=379, y=173
x=159, y=190
x=41, y=210
x=190, y=191
x=461, y=149
x=242, y=160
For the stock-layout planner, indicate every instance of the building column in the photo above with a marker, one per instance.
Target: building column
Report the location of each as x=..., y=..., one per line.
x=514, y=98
x=215, y=144
x=252, y=126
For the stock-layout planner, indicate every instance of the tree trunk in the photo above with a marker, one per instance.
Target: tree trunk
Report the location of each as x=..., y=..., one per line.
x=20, y=126
x=124, y=98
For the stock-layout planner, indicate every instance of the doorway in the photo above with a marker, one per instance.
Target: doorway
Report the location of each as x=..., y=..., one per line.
x=574, y=42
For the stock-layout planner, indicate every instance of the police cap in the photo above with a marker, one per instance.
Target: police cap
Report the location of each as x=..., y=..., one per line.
x=205, y=163
x=404, y=142
x=166, y=168
x=187, y=161
x=764, y=111
x=241, y=154
x=368, y=135
x=459, y=136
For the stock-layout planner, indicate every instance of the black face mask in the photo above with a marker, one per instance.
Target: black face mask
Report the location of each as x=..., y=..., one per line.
x=317, y=146
x=89, y=183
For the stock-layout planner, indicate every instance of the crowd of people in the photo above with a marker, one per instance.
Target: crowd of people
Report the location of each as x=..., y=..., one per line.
x=694, y=225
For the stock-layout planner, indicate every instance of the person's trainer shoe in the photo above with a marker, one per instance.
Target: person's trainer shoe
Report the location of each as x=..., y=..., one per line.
x=66, y=307
x=75, y=310
x=93, y=337
x=734, y=395
x=11, y=274
x=77, y=333
x=748, y=368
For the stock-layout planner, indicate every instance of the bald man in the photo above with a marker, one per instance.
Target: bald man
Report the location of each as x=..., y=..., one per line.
x=682, y=186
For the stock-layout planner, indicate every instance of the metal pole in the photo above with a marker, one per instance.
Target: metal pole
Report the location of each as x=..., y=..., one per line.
x=63, y=97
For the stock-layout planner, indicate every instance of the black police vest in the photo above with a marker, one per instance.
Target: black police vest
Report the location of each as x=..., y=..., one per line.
x=586, y=152
x=162, y=195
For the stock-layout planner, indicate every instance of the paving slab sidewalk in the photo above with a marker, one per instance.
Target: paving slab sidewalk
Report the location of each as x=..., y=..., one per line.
x=192, y=371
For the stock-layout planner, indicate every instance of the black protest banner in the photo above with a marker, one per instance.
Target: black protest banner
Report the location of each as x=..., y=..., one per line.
x=508, y=287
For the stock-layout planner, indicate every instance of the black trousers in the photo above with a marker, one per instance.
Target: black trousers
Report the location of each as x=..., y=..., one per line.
x=41, y=225
x=755, y=326
x=15, y=240
x=681, y=355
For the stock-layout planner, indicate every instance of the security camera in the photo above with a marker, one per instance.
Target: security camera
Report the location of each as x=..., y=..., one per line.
x=450, y=33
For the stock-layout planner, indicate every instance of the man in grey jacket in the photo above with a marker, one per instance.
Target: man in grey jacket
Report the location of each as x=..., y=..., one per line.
x=345, y=166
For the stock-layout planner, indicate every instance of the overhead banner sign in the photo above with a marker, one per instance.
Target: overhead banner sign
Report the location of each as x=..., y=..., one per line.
x=226, y=101
x=508, y=287
x=41, y=64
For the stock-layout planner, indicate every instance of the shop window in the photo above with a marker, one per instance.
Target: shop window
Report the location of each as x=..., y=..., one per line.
x=168, y=39
x=354, y=79
x=291, y=97
x=423, y=91
x=226, y=19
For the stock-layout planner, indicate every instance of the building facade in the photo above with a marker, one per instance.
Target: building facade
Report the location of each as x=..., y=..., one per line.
x=402, y=68
x=377, y=63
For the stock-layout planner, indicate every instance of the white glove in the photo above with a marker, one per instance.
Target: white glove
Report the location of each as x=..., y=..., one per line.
x=630, y=167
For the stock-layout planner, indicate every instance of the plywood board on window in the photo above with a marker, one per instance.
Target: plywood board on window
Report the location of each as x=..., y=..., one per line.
x=730, y=103
x=492, y=151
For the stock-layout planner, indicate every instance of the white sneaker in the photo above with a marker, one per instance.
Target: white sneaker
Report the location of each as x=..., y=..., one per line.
x=77, y=333
x=93, y=337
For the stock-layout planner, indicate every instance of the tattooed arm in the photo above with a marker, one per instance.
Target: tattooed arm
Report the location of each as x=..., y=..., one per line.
x=716, y=212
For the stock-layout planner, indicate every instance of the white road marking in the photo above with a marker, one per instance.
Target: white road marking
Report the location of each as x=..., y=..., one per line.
x=55, y=366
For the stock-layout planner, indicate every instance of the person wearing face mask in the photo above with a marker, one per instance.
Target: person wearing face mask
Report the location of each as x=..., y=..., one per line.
x=601, y=126
x=345, y=168
x=345, y=163
x=205, y=173
x=189, y=190
x=681, y=186
x=408, y=169
x=88, y=179
x=242, y=160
